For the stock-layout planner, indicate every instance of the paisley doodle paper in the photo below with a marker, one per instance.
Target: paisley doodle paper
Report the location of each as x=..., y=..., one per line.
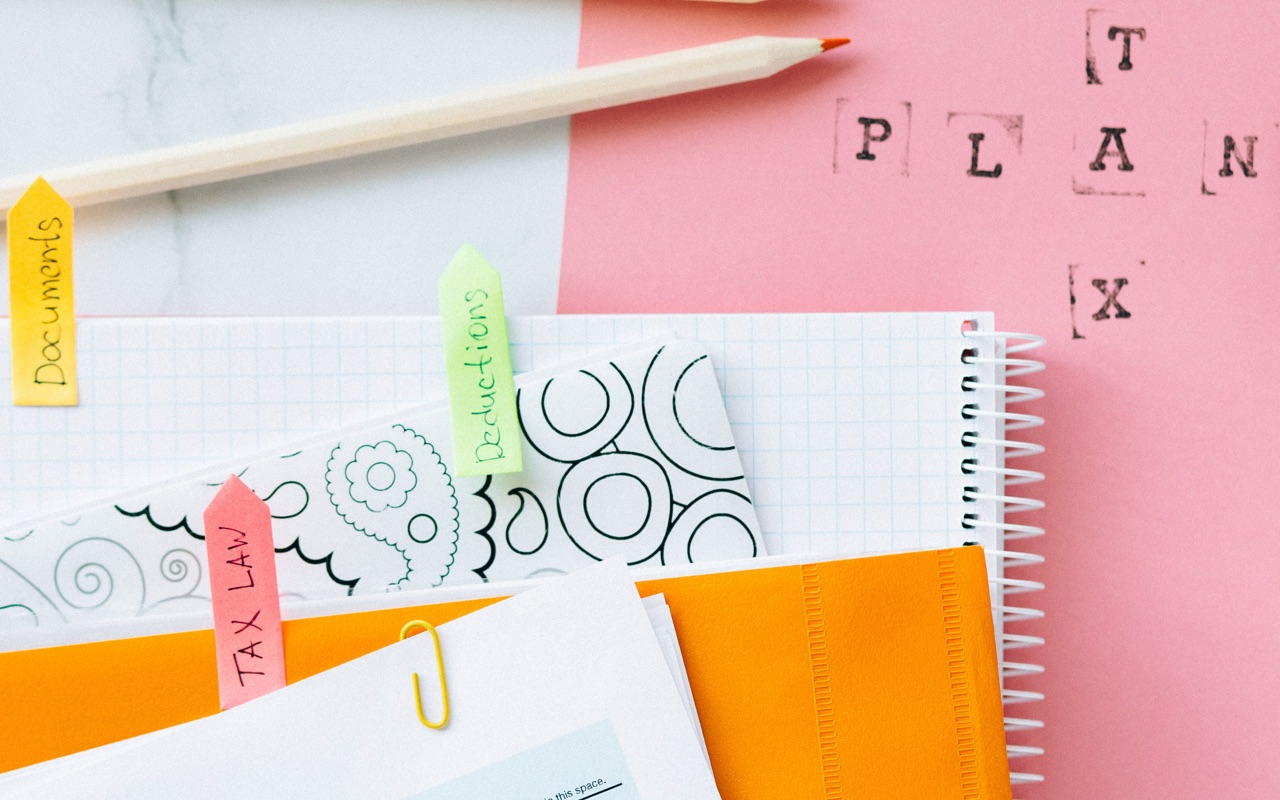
x=629, y=457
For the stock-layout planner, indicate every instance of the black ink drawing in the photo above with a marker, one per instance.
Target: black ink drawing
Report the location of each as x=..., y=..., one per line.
x=636, y=483
x=630, y=458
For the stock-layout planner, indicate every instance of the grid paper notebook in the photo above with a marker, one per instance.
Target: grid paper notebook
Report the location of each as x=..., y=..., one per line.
x=849, y=425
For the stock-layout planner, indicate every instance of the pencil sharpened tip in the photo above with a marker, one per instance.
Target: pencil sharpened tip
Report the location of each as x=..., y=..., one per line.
x=828, y=44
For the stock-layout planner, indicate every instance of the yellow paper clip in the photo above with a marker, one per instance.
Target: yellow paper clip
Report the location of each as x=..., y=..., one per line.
x=444, y=687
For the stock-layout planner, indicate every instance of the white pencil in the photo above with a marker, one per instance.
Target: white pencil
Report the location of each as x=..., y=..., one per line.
x=413, y=123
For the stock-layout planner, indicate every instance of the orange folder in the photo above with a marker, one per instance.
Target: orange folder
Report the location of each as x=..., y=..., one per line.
x=865, y=677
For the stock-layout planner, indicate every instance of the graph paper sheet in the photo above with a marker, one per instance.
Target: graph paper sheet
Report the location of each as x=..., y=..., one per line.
x=628, y=454
x=849, y=426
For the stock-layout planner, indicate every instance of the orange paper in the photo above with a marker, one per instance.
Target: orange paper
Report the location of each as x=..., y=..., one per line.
x=871, y=677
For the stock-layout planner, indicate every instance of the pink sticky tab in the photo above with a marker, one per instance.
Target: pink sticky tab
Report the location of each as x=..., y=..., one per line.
x=246, y=602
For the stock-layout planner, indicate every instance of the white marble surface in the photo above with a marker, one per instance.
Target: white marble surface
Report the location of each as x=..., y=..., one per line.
x=88, y=79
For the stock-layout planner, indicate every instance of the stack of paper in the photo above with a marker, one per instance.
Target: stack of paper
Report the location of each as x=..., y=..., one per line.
x=873, y=676
x=561, y=691
x=816, y=678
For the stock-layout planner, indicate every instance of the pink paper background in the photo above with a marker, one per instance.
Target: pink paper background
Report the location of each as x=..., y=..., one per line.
x=1163, y=570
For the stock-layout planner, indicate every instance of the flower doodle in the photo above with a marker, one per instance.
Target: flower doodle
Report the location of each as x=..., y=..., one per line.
x=396, y=490
x=381, y=476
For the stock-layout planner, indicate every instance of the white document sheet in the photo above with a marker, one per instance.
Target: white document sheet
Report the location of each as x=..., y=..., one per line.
x=659, y=618
x=563, y=688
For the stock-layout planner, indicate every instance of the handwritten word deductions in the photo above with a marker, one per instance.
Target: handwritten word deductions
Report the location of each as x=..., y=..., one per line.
x=486, y=438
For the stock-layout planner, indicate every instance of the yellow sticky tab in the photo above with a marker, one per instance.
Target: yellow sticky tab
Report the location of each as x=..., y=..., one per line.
x=42, y=318
x=482, y=397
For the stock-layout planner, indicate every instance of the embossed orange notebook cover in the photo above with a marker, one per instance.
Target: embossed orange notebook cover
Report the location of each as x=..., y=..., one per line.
x=867, y=677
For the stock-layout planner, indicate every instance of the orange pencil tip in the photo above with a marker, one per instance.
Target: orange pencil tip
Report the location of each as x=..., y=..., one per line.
x=827, y=44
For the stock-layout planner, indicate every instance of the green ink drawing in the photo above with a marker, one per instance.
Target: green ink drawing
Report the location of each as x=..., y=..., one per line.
x=397, y=490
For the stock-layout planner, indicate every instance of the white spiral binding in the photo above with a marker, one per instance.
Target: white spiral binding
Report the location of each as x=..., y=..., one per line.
x=1006, y=362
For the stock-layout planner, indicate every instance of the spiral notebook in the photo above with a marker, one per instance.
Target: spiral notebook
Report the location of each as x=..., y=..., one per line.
x=858, y=433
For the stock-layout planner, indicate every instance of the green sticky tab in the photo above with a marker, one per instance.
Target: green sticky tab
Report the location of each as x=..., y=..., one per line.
x=482, y=397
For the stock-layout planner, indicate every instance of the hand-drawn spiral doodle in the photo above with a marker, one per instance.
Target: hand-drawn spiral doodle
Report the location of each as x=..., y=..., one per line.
x=527, y=531
x=394, y=487
x=181, y=567
x=600, y=407
x=616, y=504
x=719, y=523
x=691, y=433
x=94, y=572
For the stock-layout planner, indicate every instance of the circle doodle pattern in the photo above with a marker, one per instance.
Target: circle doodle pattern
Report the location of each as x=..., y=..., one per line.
x=671, y=374
x=573, y=439
x=600, y=539
x=423, y=528
x=716, y=521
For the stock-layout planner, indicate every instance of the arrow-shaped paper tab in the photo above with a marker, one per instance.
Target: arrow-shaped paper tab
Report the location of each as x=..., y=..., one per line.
x=42, y=321
x=246, y=600
x=482, y=397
